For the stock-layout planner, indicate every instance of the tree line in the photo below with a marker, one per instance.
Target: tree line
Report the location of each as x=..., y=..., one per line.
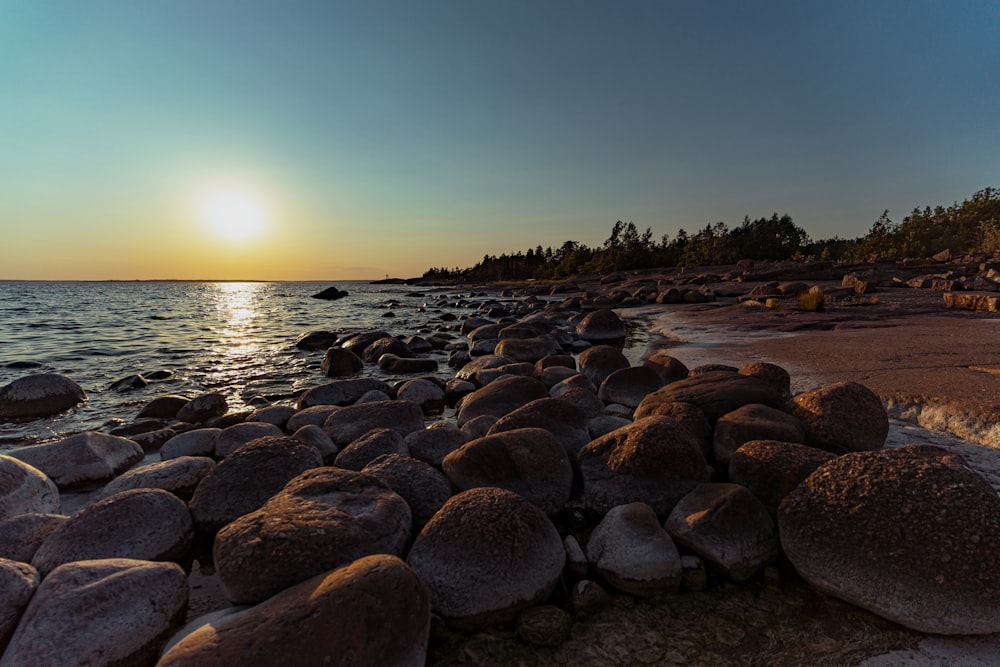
x=973, y=225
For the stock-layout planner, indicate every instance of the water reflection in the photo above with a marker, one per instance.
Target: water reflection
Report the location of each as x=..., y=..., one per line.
x=238, y=343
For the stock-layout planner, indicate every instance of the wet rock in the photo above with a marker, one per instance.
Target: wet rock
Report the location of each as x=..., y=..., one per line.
x=163, y=407
x=238, y=435
x=316, y=340
x=527, y=349
x=727, y=526
x=432, y=444
x=340, y=392
x=370, y=446
x=469, y=371
x=144, y=524
x=753, y=422
x=628, y=386
x=392, y=363
x=203, y=408
x=314, y=416
x=352, y=422
x=423, y=487
x=330, y=294
x=314, y=435
x=178, y=476
x=20, y=536
x=81, y=460
x=633, y=552
x=600, y=361
x=18, y=582
x=386, y=345
x=338, y=362
x=152, y=441
x=375, y=611
x=100, y=612
x=601, y=326
x=910, y=534
x=715, y=393
x=273, y=414
x=527, y=461
x=652, y=460
x=39, y=395
x=199, y=442
x=841, y=417
x=500, y=397
x=771, y=469
x=562, y=419
x=487, y=555
x=247, y=478
x=128, y=383
x=323, y=519
x=24, y=489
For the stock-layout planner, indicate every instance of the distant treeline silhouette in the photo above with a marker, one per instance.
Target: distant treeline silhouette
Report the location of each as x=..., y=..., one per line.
x=973, y=225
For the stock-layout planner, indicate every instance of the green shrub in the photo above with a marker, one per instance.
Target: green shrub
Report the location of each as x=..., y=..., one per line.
x=812, y=301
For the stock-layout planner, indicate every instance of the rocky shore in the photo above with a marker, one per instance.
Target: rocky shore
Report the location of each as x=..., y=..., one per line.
x=742, y=499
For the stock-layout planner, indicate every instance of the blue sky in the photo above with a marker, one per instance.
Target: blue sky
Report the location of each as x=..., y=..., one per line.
x=387, y=137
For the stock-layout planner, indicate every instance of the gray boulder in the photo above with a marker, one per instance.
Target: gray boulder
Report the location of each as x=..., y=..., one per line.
x=753, y=422
x=340, y=392
x=435, y=442
x=501, y=396
x=348, y=424
x=565, y=421
x=771, y=469
x=100, y=612
x=39, y=395
x=370, y=446
x=374, y=611
x=600, y=361
x=18, y=582
x=203, y=408
x=314, y=435
x=179, y=476
x=312, y=416
x=322, y=519
x=428, y=395
x=422, y=486
x=393, y=363
x=601, y=326
x=238, y=435
x=81, y=460
x=666, y=367
x=316, y=340
x=628, y=386
x=199, y=442
x=633, y=552
x=842, y=417
x=338, y=362
x=24, y=489
x=163, y=407
x=770, y=373
x=911, y=534
x=527, y=349
x=144, y=524
x=21, y=535
x=487, y=555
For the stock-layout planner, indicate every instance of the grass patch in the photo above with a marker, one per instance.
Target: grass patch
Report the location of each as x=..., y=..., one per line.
x=812, y=301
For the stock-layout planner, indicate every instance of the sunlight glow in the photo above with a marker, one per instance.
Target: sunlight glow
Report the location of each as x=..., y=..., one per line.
x=234, y=215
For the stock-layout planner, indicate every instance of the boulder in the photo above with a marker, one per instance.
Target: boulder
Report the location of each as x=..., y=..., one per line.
x=203, y=408
x=247, y=478
x=600, y=361
x=428, y=395
x=527, y=461
x=144, y=524
x=666, y=367
x=633, y=552
x=727, y=526
x=128, y=383
x=316, y=340
x=39, y=395
x=358, y=342
x=322, y=519
x=527, y=349
x=422, y=486
x=311, y=434
x=972, y=301
x=553, y=375
x=842, y=417
x=272, y=414
x=20, y=536
x=18, y=582
x=716, y=392
x=374, y=611
x=199, y=442
x=652, y=460
x=81, y=460
x=348, y=424
x=605, y=424
x=392, y=363
x=386, y=345
x=433, y=443
x=687, y=415
x=100, y=612
x=179, y=476
x=771, y=469
x=771, y=373
x=370, y=446
x=753, y=422
x=628, y=386
x=911, y=534
x=24, y=489
x=601, y=326
x=340, y=392
x=500, y=397
x=565, y=421
x=238, y=435
x=331, y=293
x=338, y=362
x=163, y=407
x=487, y=555
x=470, y=370
x=314, y=416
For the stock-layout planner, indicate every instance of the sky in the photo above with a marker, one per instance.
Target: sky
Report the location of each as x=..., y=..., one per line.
x=348, y=140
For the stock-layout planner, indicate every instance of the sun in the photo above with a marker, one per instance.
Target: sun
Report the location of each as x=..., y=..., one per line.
x=234, y=215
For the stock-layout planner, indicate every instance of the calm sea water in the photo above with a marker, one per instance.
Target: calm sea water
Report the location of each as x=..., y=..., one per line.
x=233, y=338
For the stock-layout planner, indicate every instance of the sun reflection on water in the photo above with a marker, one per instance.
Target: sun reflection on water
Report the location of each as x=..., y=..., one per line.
x=238, y=343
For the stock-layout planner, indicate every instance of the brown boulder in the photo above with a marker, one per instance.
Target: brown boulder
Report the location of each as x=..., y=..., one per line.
x=841, y=417
x=715, y=392
x=501, y=396
x=753, y=422
x=772, y=469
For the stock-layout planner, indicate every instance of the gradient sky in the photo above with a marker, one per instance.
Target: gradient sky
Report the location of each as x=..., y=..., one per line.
x=388, y=137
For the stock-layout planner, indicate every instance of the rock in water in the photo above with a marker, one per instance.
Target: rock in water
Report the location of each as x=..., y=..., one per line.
x=911, y=534
x=330, y=294
x=100, y=612
x=375, y=611
x=39, y=396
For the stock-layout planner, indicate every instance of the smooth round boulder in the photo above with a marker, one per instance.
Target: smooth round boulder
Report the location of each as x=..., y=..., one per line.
x=666, y=367
x=247, y=478
x=100, y=612
x=314, y=435
x=470, y=370
x=771, y=469
x=911, y=534
x=272, y=414
x=526, y=349
x=369, y=447
x=501, y=396
x=322, y=519
x=203, y=408
x=18, y=582
x=422, y=486
x=727, y=526
x=81, y=460
x=143, y=524
x=339, y=392
x=313, y=416
x=527, y=461
x=393, y=363
x=716, y=392
x=374, y=611
x=600, y=361
x=316, y=340
x=687, y=415
x=199, y=442
x=20, y=536
x=348, y=424
x=435, y=442
x=652, y=460
x=487, y=555
x=358, y=342
x=841, y=417
x=753, y=422
x=39, y=395
x=628, y=386
x=562, y=419
x=601, y=326
x=240, y=434
x=633, y=552
x=163, y=407
x=428, y=395
x=768, y=372
x=179, y=476
x=386, y=345
x=25, y=489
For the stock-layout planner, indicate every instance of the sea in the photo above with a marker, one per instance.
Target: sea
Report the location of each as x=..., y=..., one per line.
x=236, y=338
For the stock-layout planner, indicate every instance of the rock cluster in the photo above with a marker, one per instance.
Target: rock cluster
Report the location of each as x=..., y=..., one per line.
x=339, y=525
